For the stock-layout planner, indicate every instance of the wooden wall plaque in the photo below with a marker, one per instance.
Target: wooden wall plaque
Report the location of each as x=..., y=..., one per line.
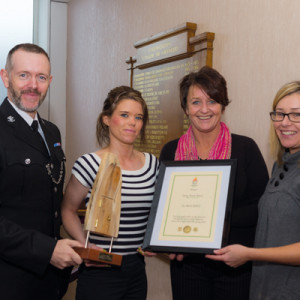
x=160, y=63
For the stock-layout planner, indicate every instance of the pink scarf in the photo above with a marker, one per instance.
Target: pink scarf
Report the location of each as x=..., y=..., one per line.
x=186, y=148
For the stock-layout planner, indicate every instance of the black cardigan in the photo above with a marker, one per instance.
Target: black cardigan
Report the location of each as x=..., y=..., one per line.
x=251, y=179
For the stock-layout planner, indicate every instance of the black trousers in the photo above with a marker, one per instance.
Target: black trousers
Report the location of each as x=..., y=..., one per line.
x=199, y=278
x=128, y=281
x=20, y=284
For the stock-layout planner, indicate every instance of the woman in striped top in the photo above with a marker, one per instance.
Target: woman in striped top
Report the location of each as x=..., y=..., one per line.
x=123, y=119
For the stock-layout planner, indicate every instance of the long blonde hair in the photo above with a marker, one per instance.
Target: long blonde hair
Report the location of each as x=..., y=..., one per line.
x=288, y=89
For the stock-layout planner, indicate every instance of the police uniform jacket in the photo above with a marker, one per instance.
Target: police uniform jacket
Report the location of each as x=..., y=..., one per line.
x=31, y=183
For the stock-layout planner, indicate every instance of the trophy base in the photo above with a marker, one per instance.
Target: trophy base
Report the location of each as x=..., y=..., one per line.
x=99, y=256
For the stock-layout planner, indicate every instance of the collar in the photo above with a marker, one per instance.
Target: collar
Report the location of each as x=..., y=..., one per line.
x=23, y=114
x=291, y=158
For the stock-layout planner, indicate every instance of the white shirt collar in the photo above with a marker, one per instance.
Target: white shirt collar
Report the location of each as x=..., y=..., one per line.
x=23, y=114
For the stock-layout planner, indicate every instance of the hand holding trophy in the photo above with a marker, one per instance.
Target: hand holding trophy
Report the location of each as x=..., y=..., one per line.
x=96, y=180
x=103, y=210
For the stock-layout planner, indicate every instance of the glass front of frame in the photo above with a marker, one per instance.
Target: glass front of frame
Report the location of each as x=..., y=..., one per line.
x=191, y=206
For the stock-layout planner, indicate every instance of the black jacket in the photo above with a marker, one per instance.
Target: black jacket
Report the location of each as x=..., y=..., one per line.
x=251, y=180
x=30, y=199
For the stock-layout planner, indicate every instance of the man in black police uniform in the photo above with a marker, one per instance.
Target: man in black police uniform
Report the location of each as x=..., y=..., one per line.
x=32, y=256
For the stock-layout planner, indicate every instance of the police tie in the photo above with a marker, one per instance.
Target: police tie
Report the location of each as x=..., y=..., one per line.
x=35, y=126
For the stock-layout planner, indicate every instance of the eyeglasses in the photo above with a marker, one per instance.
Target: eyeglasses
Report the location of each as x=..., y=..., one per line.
x=279, y=116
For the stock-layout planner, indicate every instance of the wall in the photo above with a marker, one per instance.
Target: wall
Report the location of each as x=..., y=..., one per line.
x=256, y=49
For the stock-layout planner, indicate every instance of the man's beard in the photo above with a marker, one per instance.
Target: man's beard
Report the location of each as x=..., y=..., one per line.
x=16, y=98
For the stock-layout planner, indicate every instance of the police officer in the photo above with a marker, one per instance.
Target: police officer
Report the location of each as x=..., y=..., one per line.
x=33, y=258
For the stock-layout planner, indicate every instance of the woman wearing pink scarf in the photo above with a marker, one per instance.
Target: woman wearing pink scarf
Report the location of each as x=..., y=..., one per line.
x=203, y=98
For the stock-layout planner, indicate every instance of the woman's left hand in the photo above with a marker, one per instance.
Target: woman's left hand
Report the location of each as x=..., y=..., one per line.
x=233, y=255
x=145, y=253
x=89, y=263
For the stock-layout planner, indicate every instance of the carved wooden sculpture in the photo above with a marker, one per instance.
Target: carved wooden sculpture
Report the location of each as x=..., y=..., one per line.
x=104, y=208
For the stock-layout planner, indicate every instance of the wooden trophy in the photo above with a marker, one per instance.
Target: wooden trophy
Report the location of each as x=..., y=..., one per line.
x=103, y=210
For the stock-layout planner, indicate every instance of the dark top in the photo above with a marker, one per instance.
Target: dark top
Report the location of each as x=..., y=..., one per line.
x=251, y=179
x=31, y=183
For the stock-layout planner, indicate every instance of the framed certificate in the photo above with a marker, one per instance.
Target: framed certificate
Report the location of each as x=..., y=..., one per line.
x=191, y=208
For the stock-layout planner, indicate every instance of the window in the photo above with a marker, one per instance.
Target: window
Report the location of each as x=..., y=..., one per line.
x=16, y=21
x=29, y=21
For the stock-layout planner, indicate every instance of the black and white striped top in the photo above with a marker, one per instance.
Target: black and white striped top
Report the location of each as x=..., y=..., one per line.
x=137, y=194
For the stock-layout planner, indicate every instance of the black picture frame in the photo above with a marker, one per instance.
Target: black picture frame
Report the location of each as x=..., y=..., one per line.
x=191, y=207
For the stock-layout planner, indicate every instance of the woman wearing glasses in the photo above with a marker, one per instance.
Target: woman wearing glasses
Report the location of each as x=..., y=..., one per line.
x=276, y=256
